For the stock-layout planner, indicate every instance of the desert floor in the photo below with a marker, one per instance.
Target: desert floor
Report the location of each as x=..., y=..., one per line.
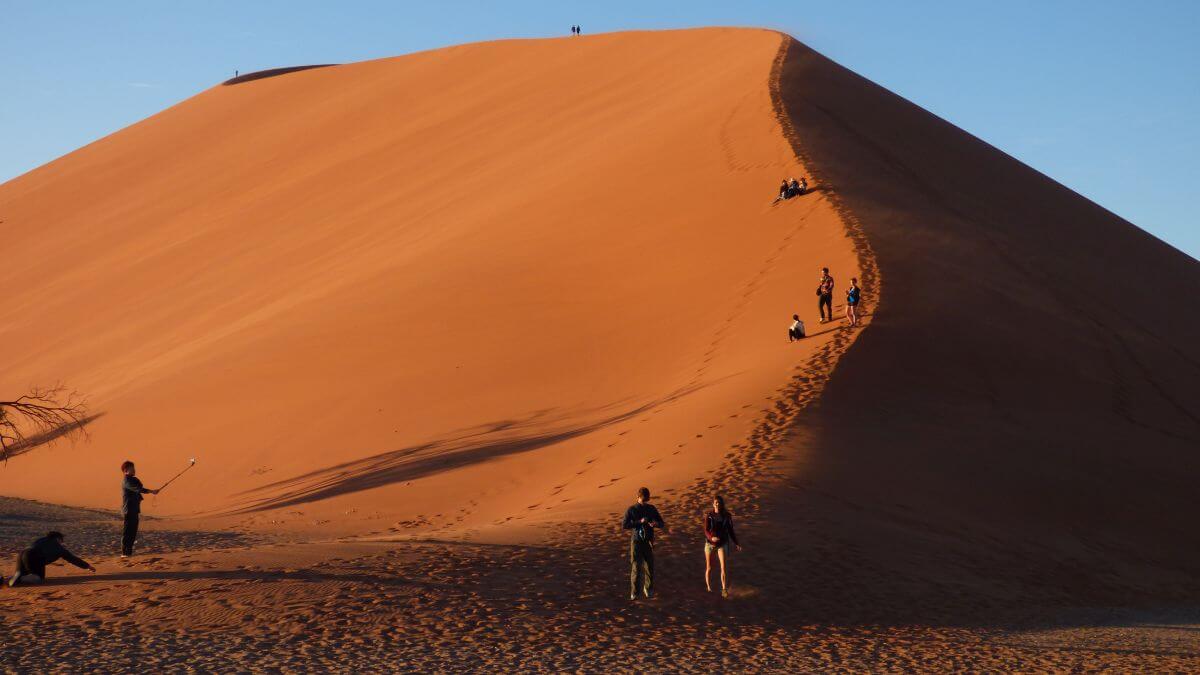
x=210, y=601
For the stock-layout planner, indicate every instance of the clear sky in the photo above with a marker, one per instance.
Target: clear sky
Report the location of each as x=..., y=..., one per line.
x=1102, y=95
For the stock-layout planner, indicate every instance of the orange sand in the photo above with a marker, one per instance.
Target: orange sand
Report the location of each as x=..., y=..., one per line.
x=479, y=295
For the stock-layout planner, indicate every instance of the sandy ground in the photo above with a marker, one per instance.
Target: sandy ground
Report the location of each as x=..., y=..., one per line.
x=419, y=416
x=450, y=607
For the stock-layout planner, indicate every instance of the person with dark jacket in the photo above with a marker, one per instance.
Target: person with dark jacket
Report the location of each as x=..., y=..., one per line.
x=718, y=536
x=642, y=518
x=131, y=506
x=825, y=295
x=31, y=563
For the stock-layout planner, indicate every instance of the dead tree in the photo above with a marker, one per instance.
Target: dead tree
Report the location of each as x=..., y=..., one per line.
x=39, y=417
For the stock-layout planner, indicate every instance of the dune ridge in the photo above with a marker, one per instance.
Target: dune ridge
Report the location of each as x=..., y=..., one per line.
x=993, y=475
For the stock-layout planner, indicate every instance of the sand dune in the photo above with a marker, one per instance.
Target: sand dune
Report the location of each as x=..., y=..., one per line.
x=495, y=283
x=463, y=302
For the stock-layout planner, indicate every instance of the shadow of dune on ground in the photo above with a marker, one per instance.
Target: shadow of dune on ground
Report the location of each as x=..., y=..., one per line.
x=473, y=446
x=273, y=72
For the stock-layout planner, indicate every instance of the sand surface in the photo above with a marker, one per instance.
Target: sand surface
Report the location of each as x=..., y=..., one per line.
x=427, y=323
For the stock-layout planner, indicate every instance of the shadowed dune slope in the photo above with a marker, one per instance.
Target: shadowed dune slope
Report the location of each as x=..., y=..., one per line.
x=1024, y=411
x=491, y=285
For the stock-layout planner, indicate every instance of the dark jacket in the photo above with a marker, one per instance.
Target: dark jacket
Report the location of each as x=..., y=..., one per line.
x=131, y=496
x=642, y=531
x=50, y=550
x=719, y=526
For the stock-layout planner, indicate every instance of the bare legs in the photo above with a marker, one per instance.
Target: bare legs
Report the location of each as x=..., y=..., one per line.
x=852, y=315
x=719, y=554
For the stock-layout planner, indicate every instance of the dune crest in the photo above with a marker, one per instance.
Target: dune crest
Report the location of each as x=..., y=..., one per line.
x=479, y=288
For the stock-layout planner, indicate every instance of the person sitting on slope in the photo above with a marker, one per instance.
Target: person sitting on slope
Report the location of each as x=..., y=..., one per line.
x=783, y=190
x=796, y=332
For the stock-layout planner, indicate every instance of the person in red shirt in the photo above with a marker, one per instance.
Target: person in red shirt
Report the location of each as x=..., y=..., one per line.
x=718, y=536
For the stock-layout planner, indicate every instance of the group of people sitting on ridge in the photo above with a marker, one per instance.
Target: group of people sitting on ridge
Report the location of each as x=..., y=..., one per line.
x=825, y=305
x=790, y=187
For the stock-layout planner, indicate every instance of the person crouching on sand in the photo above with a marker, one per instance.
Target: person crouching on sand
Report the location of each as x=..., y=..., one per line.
x=796, y=330
x=853, y=295
x=718, y=535
x=131, y=506
x=642, y=518
x=31, y=564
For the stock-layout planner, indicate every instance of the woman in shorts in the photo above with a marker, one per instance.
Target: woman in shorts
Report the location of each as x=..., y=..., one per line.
x=718, y=537
x=853, y=295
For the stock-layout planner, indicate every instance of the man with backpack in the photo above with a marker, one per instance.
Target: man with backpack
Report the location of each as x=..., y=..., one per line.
x=642, y=518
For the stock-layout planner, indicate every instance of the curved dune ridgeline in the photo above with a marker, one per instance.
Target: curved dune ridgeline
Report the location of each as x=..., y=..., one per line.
x=1022, y=419
x=428, y=322
x=485, y=289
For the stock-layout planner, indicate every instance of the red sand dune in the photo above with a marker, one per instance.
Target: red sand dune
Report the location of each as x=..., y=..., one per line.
x=445, y=287
x=483, y=293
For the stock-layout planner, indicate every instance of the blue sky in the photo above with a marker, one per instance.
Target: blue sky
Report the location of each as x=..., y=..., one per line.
x=1102, y=95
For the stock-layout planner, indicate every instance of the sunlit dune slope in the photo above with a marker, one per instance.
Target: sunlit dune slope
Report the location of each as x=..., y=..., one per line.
x=1025, y=408
x=478, y=287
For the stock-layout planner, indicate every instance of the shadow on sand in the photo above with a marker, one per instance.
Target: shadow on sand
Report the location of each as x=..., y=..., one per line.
x=475, y=445
x=273, y=72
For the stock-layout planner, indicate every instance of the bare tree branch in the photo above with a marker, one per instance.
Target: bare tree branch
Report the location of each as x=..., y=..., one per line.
x=43, y=415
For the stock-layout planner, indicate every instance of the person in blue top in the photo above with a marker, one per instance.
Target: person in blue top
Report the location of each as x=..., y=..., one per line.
x=853, y=295
x=642, y=518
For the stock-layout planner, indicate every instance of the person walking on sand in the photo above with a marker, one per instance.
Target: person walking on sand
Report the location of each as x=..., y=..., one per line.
x=852, y=297
x=131, y=506
x=642, y=518
x=31, y=563
x=825, y=295
x=718, y=536
x=796, y=331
